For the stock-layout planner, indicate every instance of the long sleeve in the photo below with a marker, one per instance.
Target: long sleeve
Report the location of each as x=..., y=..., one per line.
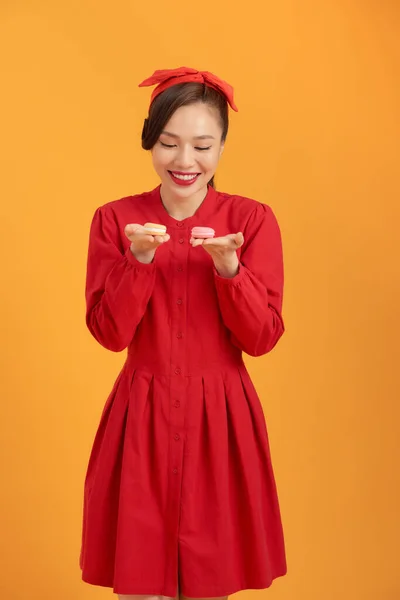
x=118, y=287
x=251, y=302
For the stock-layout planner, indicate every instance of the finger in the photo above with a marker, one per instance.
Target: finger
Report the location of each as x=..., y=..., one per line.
x=140, y=238
x=224, y=240
x=239, y=239
x=232, y=240
x=221, y=241
x=196, y=242
x=133, y=228
x=220, y=244
x=161, y=239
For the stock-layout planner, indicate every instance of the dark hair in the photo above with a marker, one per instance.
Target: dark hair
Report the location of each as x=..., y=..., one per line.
x=165, y=104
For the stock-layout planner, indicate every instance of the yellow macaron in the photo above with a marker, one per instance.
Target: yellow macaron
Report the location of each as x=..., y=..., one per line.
x=155, y=229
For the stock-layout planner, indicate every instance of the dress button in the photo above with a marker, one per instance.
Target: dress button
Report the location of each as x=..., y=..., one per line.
x=177, y=371
x=174, y=471
x=181, y=240
x=180, y=224
x=180, y=269
x=179, y=335
x=177, y=404
x=179, y=301
x=177, y=437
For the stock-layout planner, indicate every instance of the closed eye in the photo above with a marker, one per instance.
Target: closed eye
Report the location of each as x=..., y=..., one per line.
x=201, y=149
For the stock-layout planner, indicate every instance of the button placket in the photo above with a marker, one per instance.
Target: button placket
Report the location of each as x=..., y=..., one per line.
x=178, y=381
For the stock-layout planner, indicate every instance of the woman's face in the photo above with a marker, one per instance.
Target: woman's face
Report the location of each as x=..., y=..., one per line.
x=187, y=152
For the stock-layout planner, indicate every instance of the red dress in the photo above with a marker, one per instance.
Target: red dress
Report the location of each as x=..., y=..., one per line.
x=180, y=488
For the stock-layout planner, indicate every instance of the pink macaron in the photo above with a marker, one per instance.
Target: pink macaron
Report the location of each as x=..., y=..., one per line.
x=203, y=232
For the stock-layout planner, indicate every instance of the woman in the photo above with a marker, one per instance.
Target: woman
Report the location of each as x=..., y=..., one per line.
x=180, y=497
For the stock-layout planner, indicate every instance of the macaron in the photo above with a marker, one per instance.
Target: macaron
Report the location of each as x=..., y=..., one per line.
x=155, y=229
x=203, y=232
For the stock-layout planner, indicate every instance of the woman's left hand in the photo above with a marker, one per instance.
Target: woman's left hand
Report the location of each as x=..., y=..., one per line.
x=223, y=252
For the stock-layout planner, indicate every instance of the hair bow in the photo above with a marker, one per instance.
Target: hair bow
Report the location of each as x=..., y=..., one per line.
x=169, y=77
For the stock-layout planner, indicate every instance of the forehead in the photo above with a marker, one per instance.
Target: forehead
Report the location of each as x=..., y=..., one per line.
x=195, y=120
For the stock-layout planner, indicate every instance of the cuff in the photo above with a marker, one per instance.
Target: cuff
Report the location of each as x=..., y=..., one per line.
x=138, y=265
x=230, y=280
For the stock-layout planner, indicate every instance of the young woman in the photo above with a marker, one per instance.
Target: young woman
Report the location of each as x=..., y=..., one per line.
x=180, y=497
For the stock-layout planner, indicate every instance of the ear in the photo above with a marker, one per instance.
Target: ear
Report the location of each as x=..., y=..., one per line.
x=221, y=149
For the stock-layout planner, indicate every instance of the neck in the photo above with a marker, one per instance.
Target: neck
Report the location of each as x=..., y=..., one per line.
x=182, y=208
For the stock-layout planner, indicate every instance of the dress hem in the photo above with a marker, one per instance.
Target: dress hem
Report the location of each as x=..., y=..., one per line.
x=189, y=593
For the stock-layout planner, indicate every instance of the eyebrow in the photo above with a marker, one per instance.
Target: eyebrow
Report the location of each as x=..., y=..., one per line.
x=197, y=137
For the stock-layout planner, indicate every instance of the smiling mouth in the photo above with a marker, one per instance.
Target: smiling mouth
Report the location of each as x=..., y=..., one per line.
x=183, y=178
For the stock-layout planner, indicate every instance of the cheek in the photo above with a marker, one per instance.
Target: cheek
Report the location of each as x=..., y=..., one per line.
x=210, y=162
x=158, y=158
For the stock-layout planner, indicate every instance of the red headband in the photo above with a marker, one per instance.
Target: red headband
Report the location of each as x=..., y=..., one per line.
x=169, y=77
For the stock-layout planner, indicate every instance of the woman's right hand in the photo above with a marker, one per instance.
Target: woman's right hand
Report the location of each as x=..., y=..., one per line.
x=143, y=245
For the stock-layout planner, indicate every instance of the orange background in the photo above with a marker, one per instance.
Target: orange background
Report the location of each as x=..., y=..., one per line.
x=317, y=138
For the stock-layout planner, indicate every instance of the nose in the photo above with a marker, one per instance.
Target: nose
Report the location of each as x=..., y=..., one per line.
x=184, y=159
